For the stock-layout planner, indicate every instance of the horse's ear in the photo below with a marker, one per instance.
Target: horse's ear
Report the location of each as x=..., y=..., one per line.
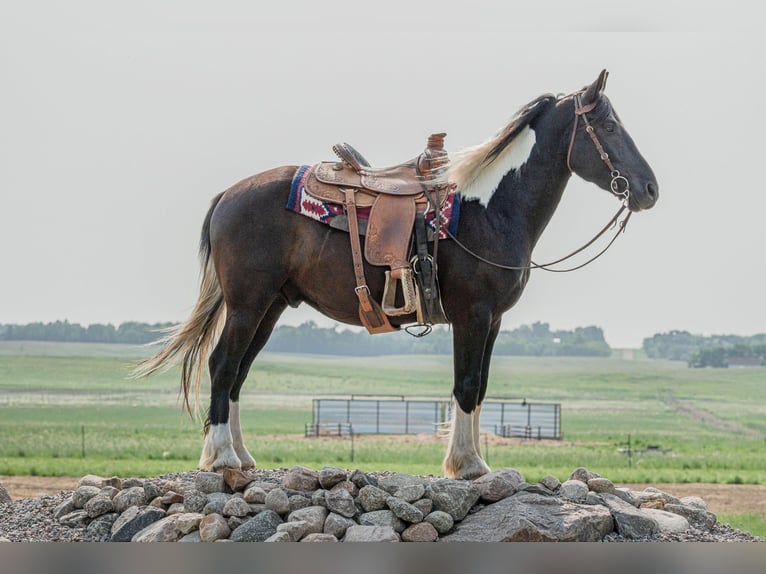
x=593, y=91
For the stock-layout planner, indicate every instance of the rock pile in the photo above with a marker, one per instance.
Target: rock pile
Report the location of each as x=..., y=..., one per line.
x=337, y=505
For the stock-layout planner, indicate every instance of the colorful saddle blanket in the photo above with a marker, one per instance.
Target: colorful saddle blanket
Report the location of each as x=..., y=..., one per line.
x=334, y=214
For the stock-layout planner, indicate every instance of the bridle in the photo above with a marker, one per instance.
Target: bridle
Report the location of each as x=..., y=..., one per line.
x=581, y=110
x=618, y=180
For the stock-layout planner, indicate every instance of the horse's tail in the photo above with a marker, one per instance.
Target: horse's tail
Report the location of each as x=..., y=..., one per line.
x=191, y=342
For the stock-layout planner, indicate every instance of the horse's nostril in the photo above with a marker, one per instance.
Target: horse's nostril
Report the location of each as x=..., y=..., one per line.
x=651, y=190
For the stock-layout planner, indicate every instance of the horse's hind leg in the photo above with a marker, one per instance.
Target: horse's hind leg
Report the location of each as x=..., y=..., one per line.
x=261, y=337
x=224, y=364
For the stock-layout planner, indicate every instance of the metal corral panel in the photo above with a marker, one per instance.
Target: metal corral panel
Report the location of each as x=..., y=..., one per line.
x=380, y=416
x=528, y=420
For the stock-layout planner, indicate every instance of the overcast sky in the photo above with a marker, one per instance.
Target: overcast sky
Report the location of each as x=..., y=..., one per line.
x=118, y=126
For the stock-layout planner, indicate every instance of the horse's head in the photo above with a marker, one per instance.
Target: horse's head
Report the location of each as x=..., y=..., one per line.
x=601, y=150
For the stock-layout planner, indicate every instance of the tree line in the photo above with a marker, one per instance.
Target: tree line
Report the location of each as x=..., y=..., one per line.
x=536, y=340
x=133, y=333
x=711, y=351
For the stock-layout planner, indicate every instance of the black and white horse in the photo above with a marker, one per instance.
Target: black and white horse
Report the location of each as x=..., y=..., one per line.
x=257, y=258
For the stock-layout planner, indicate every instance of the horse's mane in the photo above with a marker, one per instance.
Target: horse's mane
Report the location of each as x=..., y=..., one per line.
x=470, y=168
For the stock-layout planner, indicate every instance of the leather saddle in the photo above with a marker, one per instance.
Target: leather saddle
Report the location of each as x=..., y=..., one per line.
x=395, y=195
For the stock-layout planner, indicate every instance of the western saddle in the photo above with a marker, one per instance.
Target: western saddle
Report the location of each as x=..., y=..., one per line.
x=399, y=198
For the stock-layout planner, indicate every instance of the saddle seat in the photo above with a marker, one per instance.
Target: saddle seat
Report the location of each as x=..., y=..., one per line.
x=395, y=194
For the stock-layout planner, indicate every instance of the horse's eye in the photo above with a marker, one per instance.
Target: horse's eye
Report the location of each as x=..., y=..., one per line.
x=609, y=126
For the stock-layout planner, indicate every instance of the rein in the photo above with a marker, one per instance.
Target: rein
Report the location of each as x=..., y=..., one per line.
x=617, y=181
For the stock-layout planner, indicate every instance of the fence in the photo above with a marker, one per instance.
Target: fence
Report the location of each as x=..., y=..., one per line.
x=379, y=416
x=401, y=416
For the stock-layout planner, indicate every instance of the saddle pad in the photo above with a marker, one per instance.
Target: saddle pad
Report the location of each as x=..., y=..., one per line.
x=334, y=215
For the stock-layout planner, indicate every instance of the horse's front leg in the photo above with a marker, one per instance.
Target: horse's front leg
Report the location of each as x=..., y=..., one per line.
x=463, y=458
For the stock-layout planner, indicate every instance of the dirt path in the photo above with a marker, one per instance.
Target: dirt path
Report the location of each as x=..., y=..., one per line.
x=720, y=498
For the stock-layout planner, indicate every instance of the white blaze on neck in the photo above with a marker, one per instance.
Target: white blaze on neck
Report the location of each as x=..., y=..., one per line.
x=512, y=157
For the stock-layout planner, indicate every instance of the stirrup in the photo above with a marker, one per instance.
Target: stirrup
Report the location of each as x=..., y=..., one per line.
x=408, y=290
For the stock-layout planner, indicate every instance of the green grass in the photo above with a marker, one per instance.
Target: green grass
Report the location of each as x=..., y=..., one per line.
x=50, y=392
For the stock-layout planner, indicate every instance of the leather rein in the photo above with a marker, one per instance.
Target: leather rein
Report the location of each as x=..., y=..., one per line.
x=617, y=182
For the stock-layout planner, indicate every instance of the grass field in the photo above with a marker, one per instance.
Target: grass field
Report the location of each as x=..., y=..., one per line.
x=59, y=401
x=70, y=409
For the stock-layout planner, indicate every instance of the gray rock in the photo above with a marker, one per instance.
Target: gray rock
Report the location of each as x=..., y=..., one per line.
x=64, y=508
x=296, y=529
x=455, y=497
x=583, y=475
x=235, y=522
x=527, y=517
x=410, y=492
x=5, y=498
x=278, y=501
x=127, y=497
x=574, y=489
x=236, y=506
x=421, y=532
x=83, y=494
x=99, y=481
x=372, y=498
x=697, y=517
x=75, y=519
x=208, y=482
x=363, y=533
x=535, y=488
x=192, y=537
x=319, y=537
x=255, y=495
x=189, y=521
x=318, y=498
x=213, y=527
x=361, y=479
x=424, y=505
x=441, y=521
x=404, y=510
x=337, y=525
x=163, y=530
x=627, y=495
x=631, y=522
x=382, y=518
x=601, y=485
x=194, y=500
x=551, y=483
x=301, y=478
x=258, y=528
x=329, y=476
x=313, y=515
x=216, y=502
x=279, y=537
x=404, y=486
x=133, y=520
x=341, y=502
x=667, y=521
x=151, y=490
x=297, y=501
x=100, y=528
x=498, y=484
x=98, y=505
x=348, y=486
x=132, y=483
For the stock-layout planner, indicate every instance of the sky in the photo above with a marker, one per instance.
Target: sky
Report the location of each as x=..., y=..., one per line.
x=118, y=125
